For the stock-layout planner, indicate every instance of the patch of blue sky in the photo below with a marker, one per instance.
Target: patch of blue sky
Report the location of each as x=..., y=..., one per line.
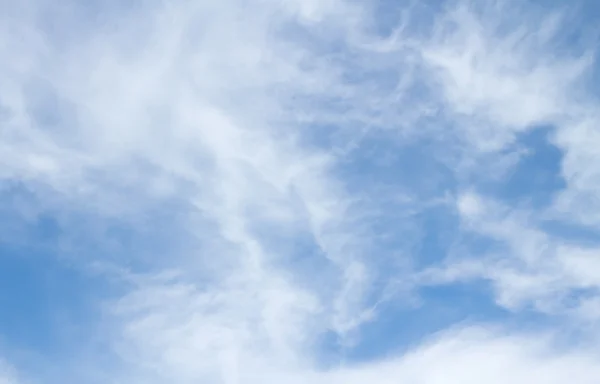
x=401, y=324
x=41, y=214
x=50, y=308
x=535, y=179
x=571, y=232
x=389, y=15
x=41, y=310
x=56, y=263
x=408, y=169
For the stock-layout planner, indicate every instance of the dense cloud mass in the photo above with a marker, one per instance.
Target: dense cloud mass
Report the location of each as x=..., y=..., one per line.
x=322, y=191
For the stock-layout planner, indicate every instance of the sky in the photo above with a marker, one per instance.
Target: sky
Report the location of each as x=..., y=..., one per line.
x=293, y=191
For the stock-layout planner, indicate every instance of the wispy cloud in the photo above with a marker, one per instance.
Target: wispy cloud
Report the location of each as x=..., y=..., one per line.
x=254, y=178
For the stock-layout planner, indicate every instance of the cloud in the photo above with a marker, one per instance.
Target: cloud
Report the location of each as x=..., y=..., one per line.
x=465, y=355
x=8, y=375
x=475, y=355
x=262, y=159
x=527, y=266
x=184, y=102
x=503, y=78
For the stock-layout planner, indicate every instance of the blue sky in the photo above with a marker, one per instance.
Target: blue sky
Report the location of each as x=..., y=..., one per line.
x=325, y=191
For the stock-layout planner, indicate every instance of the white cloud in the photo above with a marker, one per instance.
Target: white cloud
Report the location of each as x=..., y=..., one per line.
x=8, y=375
x=470, y=205
x=505, y=69
x=469, y=355
x=501, y=73
x=478, y=355
x=509, y=74
x=527, y=267
x=185, y=101
x=224, y=106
